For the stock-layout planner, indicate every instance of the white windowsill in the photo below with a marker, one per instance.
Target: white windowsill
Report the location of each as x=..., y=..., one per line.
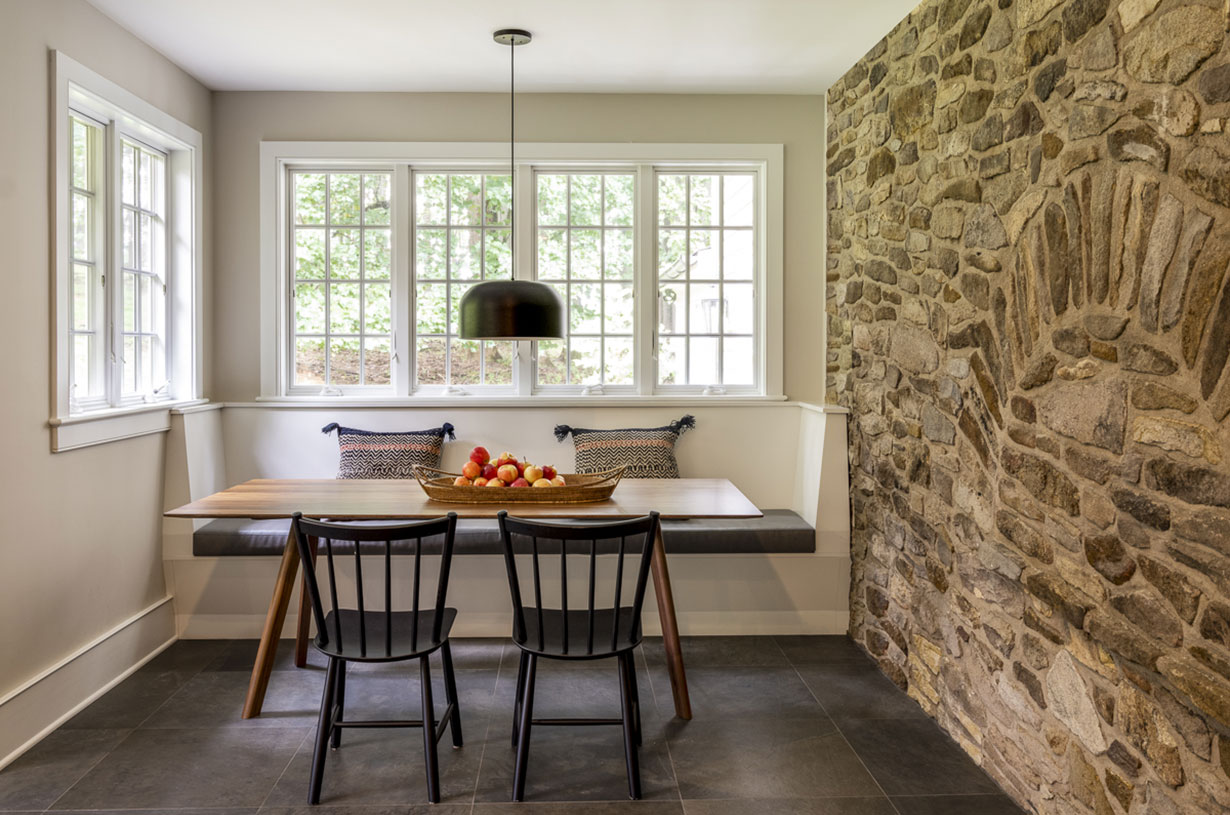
x=694, y=400
x=114, y=424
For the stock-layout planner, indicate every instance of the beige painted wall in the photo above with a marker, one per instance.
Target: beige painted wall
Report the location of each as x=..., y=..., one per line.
x=243, y=120
x=80, y=546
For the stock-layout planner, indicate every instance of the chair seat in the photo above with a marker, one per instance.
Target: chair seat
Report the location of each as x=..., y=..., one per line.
x=383, y=646
x=579, y=645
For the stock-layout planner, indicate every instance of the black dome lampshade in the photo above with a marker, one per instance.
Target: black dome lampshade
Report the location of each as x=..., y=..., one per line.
x=512, y=310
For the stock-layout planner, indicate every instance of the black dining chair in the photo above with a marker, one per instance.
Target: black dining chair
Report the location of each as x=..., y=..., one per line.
x=590, y=629
x=375, y=632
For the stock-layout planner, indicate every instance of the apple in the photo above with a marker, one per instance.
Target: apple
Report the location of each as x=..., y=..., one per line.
x=521, y=465
x=462, y=481
x=520, y=482
x=507, y=473
x=480, y=482
x=548, y=472
x=480, y=456
x=558, y=481
x=471, y=469
x=489, y=471
x=495, y=482
x=533, y=473
x=543, y=482
x=505, y=458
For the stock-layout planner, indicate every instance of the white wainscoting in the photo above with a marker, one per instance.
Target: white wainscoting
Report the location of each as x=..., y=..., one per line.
x=780, y=454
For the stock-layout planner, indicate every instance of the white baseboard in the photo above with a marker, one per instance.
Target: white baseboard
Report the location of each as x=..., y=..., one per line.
x=38, y=706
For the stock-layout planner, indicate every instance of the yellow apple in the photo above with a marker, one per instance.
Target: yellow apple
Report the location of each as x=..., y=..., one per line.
x=533, y=473
x=542, y=482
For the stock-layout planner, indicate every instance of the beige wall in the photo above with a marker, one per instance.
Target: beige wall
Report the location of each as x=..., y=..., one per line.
x=80, y=547
x=243, y=120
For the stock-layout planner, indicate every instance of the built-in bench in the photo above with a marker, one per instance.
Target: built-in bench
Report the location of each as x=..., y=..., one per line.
x=779, y=531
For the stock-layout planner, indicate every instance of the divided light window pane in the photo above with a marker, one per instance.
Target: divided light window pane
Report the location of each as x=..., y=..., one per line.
x=87, y=313
x=584, y=224
x=342, y=264
x=706, y=272
x=143, y=324
x=461, y=237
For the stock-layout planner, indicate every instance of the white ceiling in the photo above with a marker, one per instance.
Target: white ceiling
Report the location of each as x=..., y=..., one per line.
x=610, y=46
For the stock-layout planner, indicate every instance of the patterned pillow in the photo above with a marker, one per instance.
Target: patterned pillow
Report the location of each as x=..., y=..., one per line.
x=648, y=452
x=377, y=454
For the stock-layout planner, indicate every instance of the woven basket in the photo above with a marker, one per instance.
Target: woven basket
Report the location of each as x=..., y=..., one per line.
x=580, y=489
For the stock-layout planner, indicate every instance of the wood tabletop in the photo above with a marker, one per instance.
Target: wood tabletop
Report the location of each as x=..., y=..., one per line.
x=392, y=499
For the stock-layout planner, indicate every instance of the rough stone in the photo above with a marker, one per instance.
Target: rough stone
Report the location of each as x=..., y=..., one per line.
x=1139, y=143
x=1143, y=508
x=1117, y=635
x=1105, y=326
x=1085, y=785
x=880, y=164
x=912, y=108
x=1207, y=172
x=1131, y=12
x=1040, y=371
x=1172, y=45
x=1208, y=527
x=1047, y=78
x=1214, y=84
x=1195, y=485
x=974, y=28
x=1123, y=758
x=1149, y=733
x=1091, y=120
x=1091, y=413
x=1098, y=52
x=1071, y=340
x=1177, y=589
x=1180, y=437
x=983, y=229
x=974, y=105
x=998, y=34
x=1215, y=624
x=1071, y=603
x=1121, y=789
x=1154, y=396
x=950, y=13
x=1081, y=15
x=1106, y=554
x=937, y=426
x=1207, y=691
x=1148, y=614
x=1146, y=359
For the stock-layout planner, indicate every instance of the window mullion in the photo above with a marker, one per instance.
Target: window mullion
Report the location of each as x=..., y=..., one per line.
x=402, y=238
x=526, y=268
x=112, y=253
x=645, y=289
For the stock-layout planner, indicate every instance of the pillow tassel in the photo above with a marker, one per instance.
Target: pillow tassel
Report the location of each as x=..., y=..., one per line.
x=683, y=425
x=329, y=428
x=448, y=431
x=562, y=431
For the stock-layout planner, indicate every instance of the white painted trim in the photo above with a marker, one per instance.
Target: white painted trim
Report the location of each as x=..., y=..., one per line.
x=41, y=716
x=278, y=156
x=100, y=427
x=474, y=401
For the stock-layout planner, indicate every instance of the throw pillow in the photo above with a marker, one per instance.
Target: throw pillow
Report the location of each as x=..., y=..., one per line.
x=647, y=452
x=382, y=454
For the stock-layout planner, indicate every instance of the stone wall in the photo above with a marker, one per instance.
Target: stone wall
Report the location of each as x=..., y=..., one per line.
x=1029, y=317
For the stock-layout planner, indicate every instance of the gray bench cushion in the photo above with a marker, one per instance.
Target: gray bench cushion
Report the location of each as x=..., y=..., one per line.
x=779, y=531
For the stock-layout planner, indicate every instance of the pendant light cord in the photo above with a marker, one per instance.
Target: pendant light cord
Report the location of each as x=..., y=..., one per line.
x=512, y=155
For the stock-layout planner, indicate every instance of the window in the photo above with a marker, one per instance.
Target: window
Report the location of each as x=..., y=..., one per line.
x=664, y=256
x=343, y=280
x=128, y=208
x=706, y=270
x=585, y=251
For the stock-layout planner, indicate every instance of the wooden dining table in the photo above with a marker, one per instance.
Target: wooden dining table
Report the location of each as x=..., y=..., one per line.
x=394, y=499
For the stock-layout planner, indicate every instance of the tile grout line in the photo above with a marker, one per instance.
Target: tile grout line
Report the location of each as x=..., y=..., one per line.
x=837, y=729
x=88, y=770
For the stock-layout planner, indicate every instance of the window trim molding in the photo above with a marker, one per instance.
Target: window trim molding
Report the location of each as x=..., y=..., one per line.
x=277, y=156
x=75, y=85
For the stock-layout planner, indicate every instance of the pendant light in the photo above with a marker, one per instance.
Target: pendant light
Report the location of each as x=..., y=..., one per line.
x=512, y=309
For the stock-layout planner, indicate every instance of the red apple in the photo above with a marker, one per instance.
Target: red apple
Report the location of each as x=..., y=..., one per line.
x=520, y=482
x=462, y=481
x=471, y=469
x=548, y=472
x=508, y=473
x=495, y=482
x=489, y=471
x=480, y=456
x=521, y=467
x=480, y=482
x=543, y=482
x=533, y=473
x=505, y=458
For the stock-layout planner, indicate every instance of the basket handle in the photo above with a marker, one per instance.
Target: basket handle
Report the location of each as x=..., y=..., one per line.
x=604, y=476
x=423, y=473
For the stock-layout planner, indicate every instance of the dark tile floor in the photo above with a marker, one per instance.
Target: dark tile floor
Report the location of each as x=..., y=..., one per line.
x=783, y=726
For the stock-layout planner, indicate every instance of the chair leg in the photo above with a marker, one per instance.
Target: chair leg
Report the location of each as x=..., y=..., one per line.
x=429, y=734
x=516, y=726
x=626, y=678
x=636, y=697
x=336, y=741
x=523, y=729
x=450, y=693
x=323, y=726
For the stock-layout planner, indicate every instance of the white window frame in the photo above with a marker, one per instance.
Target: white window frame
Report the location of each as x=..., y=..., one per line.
x=278, y=158
x=77, y=88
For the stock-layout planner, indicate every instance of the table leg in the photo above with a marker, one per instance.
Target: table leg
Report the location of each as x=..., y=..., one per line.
x=303, y=629
x=670, y=629
x=274, y=620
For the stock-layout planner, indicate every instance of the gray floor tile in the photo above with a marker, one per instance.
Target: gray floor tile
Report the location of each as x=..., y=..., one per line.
x=582, y=808
x=215, y=699
x=240, y=655
x=821, y=650
x=162, y=769
x=732, y=692
x=414, y=809
x=796, y=806
x=858, y=691
x=708, y=652
x=131, y=702
x=957, y=805
x=381, y=768
x=187, y=655
x=206, y=811
x=915, y=757
x=766, y=758
x=39, y=777
x=577, y=764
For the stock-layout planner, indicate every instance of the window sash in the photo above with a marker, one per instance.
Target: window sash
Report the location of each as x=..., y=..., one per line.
x=644, y=336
